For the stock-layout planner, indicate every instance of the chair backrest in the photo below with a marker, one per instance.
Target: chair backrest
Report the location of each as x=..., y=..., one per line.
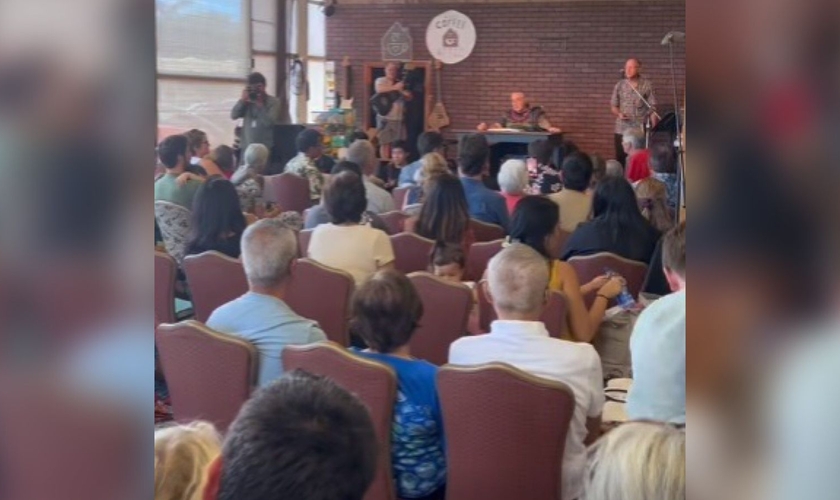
x=288, y=190
x=375, y=384
x=411, y=252
x=479, y=256
x=322, y=294
x=486, y=232
x=394, y=221
x=553, y=316
x=210, y=375
x=304, y=235
x=215, y=279
x=589, y=267
x=166, y=269
x=174, y=224
x=505, y=432
x=446, y=311
x=400, y=194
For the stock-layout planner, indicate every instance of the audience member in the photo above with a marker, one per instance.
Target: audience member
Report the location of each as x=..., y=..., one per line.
x=617, y=227
x=248, y=178
x=637, y=461
x=614, y=168
x=544, y=177
x=318, y=214
x=363, y=154
x=431, y=165
x=302, y=437
x=389, y=173
x=261, y=316
x=344, y=243
x=485, y=205
x=652, y=196
x=517, y=281
x=664, y=167
x=183, y=454
x=358, y=135
x=444, y=215
x=428, y=142
x=217, y=220
x=449, y=262
x=657, y=344
x=309, y=148
x=513, y=181
x=198, y=147
x=386, y=312
x=259, y=112
x=599, y=171
x=177, y=185
x=224, y=158
x=574, y=201
x=638, y=158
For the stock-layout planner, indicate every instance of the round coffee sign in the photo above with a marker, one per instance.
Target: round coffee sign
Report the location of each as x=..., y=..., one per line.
x=450, y=37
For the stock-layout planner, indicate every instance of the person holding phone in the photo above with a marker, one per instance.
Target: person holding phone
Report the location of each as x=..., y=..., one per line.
x=259, y=111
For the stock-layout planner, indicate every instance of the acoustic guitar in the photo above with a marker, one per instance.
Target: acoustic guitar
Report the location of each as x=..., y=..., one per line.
x=383, y=101
x=438, y=118
x=347, y=84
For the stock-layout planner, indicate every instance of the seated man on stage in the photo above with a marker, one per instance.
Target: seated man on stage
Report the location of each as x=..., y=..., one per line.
x=523, y=117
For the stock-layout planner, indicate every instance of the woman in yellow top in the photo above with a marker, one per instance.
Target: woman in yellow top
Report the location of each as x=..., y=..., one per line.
x=536, y=223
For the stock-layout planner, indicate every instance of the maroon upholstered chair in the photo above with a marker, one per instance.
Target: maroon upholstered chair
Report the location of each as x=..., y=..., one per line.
x=304, y=235
x=288, y=190
x=209, y=374
x=411, y=252
x=505, y=432
x=486, y=232
x=166, y=269
x=322, y=294
x=400, y=194
x=563, y=237
x=479, y=256
x=375, y=384
x=394, y=221
x=553, y=316
x=446, y=311
x=589, y=267
x=215, y=279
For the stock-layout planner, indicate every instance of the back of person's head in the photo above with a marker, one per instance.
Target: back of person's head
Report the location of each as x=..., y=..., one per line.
x=577, y=171
x=599, y=170
x=195, y=140
x=358, y=136
x=448, y=261
x=300, y=437
x=171, y=149
x=534, y=222
x=634, y=137
x=662, y=159
x=517, y=279
x=256, y=156
x=673, y=250
x=256, y=78
x=445, y=215
x=541, y=150
x=513, y=177
x=268, y=249
x=363, y=154
x=429, y=142
x=308, y=139
x=216, y=213
x=473, y=152
x=615, y=168
x=615, y=202
x=386, y=311
x=652, y=196
x=637, y=461
x=345, y=198
x=346, y=166
x=183, y=454
x=224, y=158
x=432, y=165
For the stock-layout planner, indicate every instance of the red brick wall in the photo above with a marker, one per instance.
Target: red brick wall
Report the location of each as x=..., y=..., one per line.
x=574, y=85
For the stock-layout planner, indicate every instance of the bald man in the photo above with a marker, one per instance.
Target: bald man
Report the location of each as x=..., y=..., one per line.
x=522, y=116
x=629, y=109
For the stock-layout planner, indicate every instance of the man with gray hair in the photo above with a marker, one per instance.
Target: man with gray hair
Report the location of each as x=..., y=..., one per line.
x=363, y=154
x=261, y=316
x=517, y=286
x=638, y=158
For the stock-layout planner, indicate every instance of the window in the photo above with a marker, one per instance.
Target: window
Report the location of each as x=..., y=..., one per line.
x=316, y=51
x=317, y=89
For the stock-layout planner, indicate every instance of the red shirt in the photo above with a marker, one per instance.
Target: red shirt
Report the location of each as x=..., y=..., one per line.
x=637, y=166
x=511, y=200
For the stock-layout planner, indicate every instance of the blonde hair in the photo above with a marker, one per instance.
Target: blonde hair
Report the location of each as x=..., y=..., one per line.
x=183, y=454
x=652, y=196
x=637, y=461
x=433, y=164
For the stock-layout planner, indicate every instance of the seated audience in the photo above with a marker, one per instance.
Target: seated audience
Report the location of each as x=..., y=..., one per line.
x=513, y=182
x=217, y=221
x=198, y=146
x=614, y=169
x=543, y=176
x=517, y=280
x=444, y=215
x=183, y=454
x=664, y=168
x=386, y=312
x=363, y=154
x=485, y=204
x=325, y=163
x=177, y=185
x=574, y=201
x=617, y=227
x=318, y=214
x=637, y=461
x=431, y=165
x=309, y=146
x=261, y=316
x=652, y=196
x=657, y=344
x=638, y=158
x=428, y=142
x=248, y=178
x=302, y=437
x=344, y=243
x=449, y=262
x=224, y=158
x=599, y=171
x=389, y=173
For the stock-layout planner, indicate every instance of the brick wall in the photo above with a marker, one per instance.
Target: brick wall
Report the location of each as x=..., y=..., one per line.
x=573, y=83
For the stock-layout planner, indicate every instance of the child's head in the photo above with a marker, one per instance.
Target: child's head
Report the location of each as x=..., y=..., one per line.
x=183, y=454
x=399, y=152
x=448, y=262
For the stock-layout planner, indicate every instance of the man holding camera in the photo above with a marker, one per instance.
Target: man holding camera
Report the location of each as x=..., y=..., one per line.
x=259, y=111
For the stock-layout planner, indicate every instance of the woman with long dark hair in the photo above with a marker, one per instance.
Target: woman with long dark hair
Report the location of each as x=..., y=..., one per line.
x=217, y=220
x=444, y=216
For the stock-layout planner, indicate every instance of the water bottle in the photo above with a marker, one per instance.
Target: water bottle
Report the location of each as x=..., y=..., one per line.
x=624, y=299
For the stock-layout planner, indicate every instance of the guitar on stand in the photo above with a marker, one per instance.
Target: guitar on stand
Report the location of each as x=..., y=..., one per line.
x=438, y=118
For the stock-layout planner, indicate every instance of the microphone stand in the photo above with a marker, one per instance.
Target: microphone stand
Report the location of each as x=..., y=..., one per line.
x=678, y=140
x=647, y=120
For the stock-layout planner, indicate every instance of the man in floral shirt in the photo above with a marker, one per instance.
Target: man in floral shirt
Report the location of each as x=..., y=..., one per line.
x=309, y=146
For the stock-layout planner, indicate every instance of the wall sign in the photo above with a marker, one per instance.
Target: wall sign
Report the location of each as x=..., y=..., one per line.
x=397, y=44
x=450, y=37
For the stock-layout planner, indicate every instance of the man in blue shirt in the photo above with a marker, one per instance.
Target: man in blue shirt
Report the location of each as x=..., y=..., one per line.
x=484, y=204
x=428, y=142
x=261, y=316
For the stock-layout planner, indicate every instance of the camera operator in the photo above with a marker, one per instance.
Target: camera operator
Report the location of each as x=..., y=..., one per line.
x=259, y=111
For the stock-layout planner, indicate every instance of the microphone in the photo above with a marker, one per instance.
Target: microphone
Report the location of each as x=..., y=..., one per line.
x=673, y=36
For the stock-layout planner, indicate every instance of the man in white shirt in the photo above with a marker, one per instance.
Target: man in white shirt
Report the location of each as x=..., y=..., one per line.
x=363, y=154
x=518, y=288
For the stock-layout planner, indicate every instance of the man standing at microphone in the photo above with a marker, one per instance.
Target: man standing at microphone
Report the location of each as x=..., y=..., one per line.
x=629, y=108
